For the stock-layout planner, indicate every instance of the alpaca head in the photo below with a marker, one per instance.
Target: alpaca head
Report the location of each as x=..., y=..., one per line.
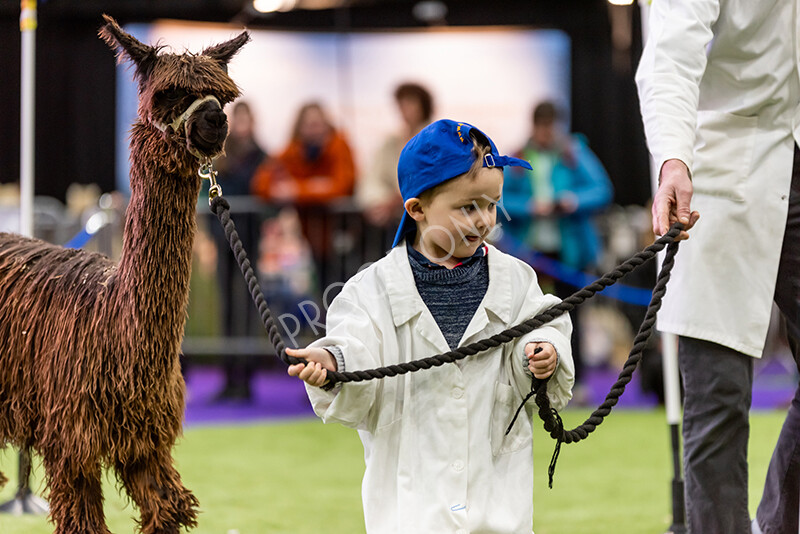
x=181, y=94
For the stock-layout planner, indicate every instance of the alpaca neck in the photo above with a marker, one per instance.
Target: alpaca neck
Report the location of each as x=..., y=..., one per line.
x=155, y=265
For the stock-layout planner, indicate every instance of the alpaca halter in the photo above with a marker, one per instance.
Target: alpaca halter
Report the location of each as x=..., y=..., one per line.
x=181, y=119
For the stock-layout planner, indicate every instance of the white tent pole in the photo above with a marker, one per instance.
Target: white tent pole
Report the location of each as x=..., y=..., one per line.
x=25, y=502
x=672, y=400
x=27, y=26
x=672, y=386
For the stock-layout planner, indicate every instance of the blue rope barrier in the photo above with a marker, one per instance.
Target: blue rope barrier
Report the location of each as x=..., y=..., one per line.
x=79, y=240
x=95, y=223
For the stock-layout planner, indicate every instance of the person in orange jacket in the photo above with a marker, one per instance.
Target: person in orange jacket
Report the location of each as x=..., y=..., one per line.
x=316, y=167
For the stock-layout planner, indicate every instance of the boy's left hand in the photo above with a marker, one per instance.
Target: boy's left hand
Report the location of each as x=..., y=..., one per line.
x=541, y=363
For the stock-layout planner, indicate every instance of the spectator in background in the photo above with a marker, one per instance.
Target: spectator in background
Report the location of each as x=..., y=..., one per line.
x=377, y=192
x=242, y=155
x=551, y=207
x=315, y=169
x=239, y=317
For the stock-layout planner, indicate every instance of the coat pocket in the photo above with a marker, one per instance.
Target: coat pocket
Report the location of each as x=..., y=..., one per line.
x=503, y=408
x=723, y=154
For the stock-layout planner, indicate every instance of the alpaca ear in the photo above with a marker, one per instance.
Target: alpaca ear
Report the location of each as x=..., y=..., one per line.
x=223, y=52
x=144, y=57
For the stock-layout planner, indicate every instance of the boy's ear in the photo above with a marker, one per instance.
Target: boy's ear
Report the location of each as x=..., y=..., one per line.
x=415, y=209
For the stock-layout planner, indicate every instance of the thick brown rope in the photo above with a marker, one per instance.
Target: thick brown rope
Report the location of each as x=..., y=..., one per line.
x=552, y=421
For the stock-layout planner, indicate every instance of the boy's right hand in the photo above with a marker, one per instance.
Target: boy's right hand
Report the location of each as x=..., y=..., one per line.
x=542, y=358
x=320, y=361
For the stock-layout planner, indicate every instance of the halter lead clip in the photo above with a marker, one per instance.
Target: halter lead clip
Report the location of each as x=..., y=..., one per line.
x=207, y=172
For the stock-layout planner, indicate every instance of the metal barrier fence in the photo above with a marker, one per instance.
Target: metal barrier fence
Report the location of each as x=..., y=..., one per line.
x=340, y=242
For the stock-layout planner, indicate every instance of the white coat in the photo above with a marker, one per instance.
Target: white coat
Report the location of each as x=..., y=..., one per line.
x=719, y=90
x=437, y=460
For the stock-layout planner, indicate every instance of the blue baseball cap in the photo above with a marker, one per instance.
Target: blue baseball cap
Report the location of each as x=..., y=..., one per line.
x=441, y=151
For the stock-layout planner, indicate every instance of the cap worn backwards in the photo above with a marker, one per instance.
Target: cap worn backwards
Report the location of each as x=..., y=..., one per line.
x=441, y=151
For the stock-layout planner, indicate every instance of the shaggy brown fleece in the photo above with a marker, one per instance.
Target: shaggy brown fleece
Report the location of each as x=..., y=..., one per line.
x=89, y=370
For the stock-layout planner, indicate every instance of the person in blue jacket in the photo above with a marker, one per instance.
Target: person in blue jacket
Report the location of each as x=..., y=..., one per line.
x=550, y=208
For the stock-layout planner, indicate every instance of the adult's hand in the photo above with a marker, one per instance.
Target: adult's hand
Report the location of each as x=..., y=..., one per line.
x=672, y=200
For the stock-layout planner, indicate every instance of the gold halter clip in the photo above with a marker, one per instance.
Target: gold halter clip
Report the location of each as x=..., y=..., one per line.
x=207, y=172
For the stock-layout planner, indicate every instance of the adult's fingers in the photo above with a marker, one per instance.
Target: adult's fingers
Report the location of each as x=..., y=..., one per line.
x=662, y=204
x=683, y=199
x=693, y=218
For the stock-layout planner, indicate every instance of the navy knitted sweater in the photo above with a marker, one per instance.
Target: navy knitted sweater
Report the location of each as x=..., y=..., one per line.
x=451, y=295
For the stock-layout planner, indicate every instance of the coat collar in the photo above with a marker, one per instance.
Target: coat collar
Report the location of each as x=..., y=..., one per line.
x=406, y=302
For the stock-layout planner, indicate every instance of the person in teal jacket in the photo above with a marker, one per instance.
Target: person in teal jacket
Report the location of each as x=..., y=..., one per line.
x=550, y=208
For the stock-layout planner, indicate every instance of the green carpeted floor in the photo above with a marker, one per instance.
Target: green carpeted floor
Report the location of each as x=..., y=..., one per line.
x=304, y=477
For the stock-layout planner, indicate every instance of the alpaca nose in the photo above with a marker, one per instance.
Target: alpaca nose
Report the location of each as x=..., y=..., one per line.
x=211, y=113
x=207, y=128
x=216, y=118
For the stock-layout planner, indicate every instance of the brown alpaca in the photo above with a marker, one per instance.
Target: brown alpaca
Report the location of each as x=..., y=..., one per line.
x=89, y=371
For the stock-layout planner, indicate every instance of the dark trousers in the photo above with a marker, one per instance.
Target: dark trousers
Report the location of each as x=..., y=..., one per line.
x=778, y=509
x=718, y=384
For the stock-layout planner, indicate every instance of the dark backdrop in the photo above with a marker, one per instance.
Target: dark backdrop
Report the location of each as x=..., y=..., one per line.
x=75, y=76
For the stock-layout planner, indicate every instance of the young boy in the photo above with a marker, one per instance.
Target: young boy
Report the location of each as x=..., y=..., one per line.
x=437, y=456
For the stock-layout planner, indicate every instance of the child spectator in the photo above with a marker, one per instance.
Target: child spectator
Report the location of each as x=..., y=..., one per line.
x=437, y=456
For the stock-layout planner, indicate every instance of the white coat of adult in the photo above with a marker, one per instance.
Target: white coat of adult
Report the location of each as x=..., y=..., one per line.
x=437, y=457
x=719, y=91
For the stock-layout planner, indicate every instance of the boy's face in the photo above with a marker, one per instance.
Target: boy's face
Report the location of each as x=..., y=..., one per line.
x=456, y=219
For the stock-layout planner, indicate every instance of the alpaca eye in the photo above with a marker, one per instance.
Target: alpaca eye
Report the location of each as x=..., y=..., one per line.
x=171, y=97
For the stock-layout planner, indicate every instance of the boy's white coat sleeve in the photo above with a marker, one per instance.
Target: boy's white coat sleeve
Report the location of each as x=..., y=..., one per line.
x=556, y=332
x=350, y=328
